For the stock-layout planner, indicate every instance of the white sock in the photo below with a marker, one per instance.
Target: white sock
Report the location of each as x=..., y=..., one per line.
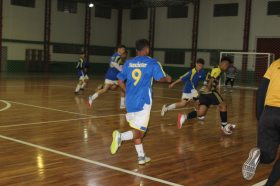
x=140, y=150
x=125, y=136
x=224, y=124
x=78, y=87
x=94, y=96
x=122, y=101
x=171, y=107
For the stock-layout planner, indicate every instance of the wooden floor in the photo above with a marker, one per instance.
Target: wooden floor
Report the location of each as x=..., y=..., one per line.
x=49, y=136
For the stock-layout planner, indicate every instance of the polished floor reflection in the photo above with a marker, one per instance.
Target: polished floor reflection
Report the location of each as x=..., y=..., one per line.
x=49, y=136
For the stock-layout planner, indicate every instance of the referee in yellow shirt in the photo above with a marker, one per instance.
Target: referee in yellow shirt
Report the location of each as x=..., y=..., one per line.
x=268, y=114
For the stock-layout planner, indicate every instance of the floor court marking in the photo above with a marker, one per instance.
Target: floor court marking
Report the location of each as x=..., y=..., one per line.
x=8, y=105
x=89, y=116
x=262, y=183
x=90, y=161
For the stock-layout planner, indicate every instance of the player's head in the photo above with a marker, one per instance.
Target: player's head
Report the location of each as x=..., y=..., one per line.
x=224, y=63
x=199, y=64
x=124, y=55
x=82, y=54
x=121, y=49
x=142, y=47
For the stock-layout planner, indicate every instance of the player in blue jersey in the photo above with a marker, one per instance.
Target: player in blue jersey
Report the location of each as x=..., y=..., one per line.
x=138, y=74
x=111, y=80
x=80, y=71
x=86, y=74
x=191, y=79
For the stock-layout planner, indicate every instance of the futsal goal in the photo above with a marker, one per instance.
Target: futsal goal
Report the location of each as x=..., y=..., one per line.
x=251, y=67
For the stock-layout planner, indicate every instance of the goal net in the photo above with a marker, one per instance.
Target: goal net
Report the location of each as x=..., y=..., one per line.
x=250, y=67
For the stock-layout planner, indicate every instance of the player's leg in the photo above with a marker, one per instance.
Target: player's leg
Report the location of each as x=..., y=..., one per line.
x=85, y=82
x=232, y=80
x=267, y=146
x=166, y=108
x=139, y=123
x=98, y=93
x=122, y=103
x=199, y=114
x=226, y=83
x=79, y=85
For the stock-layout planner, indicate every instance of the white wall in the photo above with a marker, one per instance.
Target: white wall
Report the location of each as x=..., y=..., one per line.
x=21, y=23
x=173, y=33
x=134, y=29
x=220, y=32
x=262, y=25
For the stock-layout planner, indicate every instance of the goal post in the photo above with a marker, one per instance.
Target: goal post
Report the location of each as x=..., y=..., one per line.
x=251, y=67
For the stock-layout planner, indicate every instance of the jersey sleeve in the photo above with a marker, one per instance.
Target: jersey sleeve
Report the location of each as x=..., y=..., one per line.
x=186, y=76
x=158, y=71
x=268, y=73
x=123, y=74
x=215, y=73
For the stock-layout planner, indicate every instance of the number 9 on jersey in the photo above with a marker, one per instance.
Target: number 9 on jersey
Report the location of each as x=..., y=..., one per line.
x=136, y=75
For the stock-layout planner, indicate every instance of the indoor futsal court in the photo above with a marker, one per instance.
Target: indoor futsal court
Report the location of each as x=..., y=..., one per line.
x=66, y=120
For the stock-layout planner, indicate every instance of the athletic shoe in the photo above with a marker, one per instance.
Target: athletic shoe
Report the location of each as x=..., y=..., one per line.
x=82, y=89
x=76, y=93
x=163, y=110
x=90, y=100
x=181, y=120
x=116, y=142
x=228, y=128
x=250, y=165
x=143, y=159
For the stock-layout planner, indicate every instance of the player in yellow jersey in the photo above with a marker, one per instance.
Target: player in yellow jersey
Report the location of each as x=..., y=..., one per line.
x=268, y=115
x=209, y=95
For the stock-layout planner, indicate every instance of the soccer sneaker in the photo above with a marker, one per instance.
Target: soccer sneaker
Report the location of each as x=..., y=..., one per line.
x=228, y=128
x=181, y=119
x=163, y=110
x=116, y=142
x=250, y=165
x=143, y=159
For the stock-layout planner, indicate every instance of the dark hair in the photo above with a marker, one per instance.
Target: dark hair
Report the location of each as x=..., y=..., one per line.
x=121, y=46
x=141, y=44
x=200, y=61
x=225, y=58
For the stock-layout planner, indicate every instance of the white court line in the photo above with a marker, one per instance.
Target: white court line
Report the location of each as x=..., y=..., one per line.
x=262, y=183
x=8, y=105
x=89, y=116
x=90, y=161
x=42, y=122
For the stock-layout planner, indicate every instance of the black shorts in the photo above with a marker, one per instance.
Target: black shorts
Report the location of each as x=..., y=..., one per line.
x=269, y=133
x=213, y=98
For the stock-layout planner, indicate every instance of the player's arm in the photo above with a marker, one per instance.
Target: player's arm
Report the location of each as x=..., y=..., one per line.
x=116, y=64
x=175, y=82
x=261, y=94
x=159, y=74
x=122, y=76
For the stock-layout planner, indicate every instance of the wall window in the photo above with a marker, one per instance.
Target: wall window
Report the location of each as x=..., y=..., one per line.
x=67, y=48
x=139, y=13
x=273, y=8
x=222, y=10
x=103, y=12
x=177, y=12
x=174, y=57
x=26, y=3
x=69, y=6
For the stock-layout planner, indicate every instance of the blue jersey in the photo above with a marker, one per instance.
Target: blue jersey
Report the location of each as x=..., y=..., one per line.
x=191, y=79
x=80, y=67
x=139, y=73
x=112, y=72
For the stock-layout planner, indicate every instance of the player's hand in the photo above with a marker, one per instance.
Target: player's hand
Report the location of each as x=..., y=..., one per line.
x=168, y=79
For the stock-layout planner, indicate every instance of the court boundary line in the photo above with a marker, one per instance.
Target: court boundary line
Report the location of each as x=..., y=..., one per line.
x=90, y=161
x=54, y=121
x=8, y=105
x=261, y=183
